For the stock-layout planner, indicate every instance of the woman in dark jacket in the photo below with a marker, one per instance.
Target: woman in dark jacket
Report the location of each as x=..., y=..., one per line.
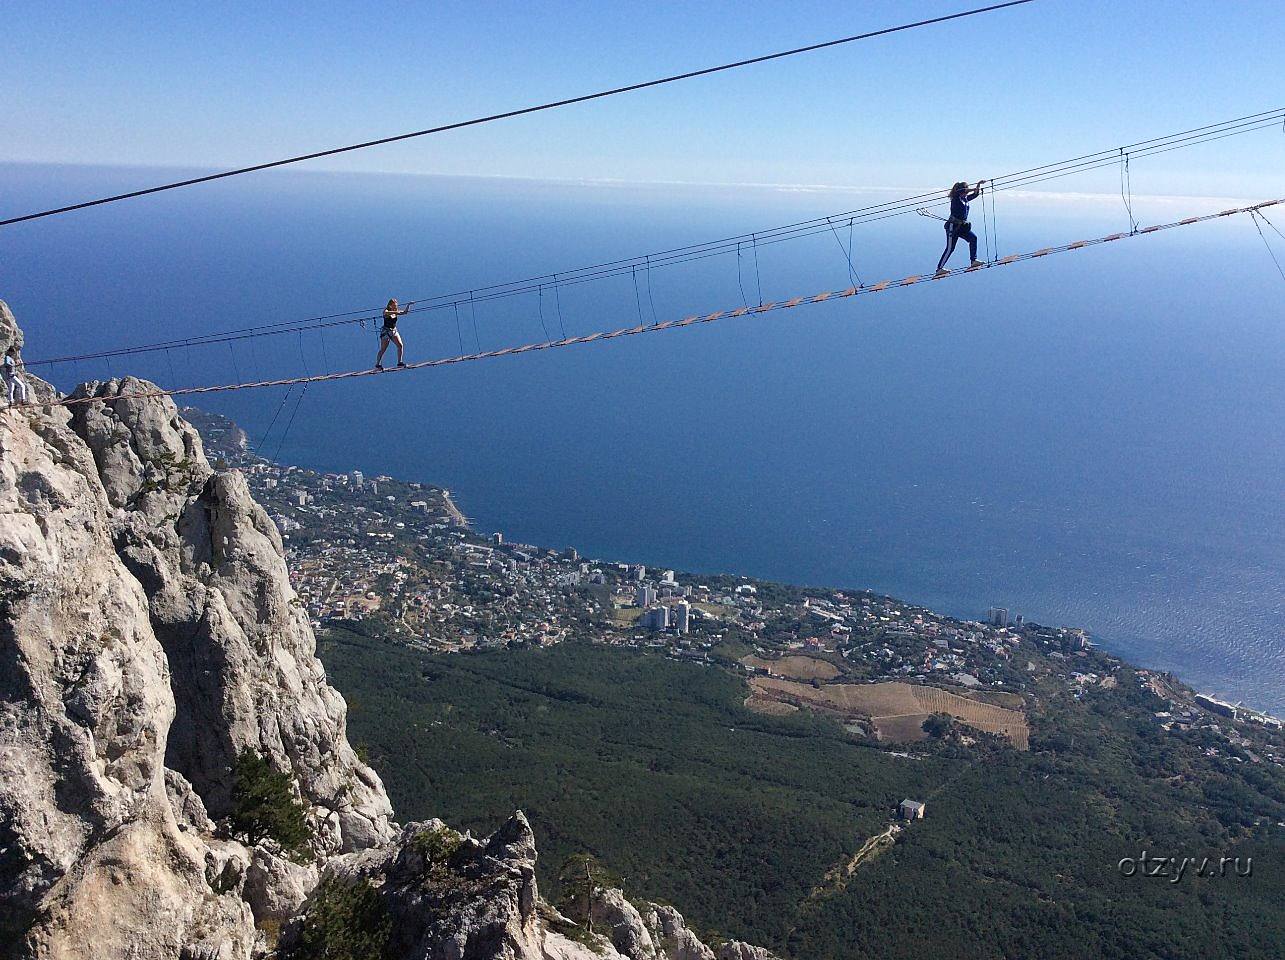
x=958, y=227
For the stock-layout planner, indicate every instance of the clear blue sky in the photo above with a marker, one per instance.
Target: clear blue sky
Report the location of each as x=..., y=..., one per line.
x=217, y=84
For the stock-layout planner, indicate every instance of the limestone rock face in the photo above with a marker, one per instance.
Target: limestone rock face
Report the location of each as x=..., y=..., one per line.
x=557, y=946
x=237, y=639
x=11, y=335
x=275, y=886
x=438, y=895
x=149, y=636
x=91, y=848
x=740, y=950
x=623, y=924
x=10, y=332
x=148, y=633
x=670, y=932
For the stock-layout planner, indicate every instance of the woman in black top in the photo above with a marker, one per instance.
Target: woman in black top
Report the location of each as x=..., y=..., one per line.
x=958, y=227
x=388, y=333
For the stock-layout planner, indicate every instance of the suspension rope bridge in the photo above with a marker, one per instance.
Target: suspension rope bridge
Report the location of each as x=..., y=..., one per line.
x=538, y=285
x=1254, y=210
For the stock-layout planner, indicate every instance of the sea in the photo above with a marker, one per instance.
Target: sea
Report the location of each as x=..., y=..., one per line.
x=1094, y=439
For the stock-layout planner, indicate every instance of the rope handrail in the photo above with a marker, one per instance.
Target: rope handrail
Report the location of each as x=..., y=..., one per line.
x=690, y=253
x=741, y=311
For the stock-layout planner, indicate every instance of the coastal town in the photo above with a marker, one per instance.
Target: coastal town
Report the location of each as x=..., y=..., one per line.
x=399, y=559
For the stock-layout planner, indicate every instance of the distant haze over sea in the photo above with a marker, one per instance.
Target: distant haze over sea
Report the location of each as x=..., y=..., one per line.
x=1095, y=439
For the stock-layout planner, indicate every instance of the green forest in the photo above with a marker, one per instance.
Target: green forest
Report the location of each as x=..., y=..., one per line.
x=655, y=768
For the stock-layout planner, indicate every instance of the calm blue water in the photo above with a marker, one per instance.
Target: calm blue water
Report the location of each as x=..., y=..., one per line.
x=1094, y=439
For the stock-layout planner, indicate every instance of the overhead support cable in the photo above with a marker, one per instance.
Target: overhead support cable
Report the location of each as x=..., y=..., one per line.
x=522, y=111
x=742, y=311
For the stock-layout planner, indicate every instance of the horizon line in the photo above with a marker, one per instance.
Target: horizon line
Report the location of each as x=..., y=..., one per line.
x=1016, y=194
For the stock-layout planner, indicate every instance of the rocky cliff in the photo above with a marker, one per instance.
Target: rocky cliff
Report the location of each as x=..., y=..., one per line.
x=175, y=777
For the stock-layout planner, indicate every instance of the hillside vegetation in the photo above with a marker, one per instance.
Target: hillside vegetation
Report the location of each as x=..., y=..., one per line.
x=658, y=769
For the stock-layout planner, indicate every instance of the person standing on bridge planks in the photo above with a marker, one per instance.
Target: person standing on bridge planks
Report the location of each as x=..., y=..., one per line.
x=388, y=333
x=15, y=386
x=958, y=227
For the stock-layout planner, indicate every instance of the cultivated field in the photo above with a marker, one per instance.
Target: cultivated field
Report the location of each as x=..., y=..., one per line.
x=626, y=616
x=773, y=708
x=795, y=666
x=898, y=710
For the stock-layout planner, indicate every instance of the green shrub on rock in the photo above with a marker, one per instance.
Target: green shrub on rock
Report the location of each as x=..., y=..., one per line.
x=265, y=806
x=342, y=922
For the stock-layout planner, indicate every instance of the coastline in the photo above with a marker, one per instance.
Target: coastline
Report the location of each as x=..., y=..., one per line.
x=226, y=434
x=1122, y=649
x=453, y=510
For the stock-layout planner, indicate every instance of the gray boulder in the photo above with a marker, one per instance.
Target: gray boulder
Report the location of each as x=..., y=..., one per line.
x=433, y=894
x=621, y=922
x=740, y=950
x=673, y=937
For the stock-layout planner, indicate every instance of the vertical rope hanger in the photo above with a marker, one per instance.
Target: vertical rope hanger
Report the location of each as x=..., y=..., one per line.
x=740, y=280
x=473, y=311
x=325, y=356
x=987, y=203
x=637, y=298
x=758, y=278
x=650, y=299
x=860, y=282
x=1126, y=189
x=540, y=298
x=994, y=224
x=557, y=299
x=853, y=277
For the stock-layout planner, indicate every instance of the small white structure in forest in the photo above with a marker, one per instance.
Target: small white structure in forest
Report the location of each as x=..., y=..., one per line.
x=911, y=810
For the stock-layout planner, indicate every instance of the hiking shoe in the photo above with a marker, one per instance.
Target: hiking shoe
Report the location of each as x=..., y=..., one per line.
x=401, y=363
x=379, y=366
x=975, y=264
x=941, y=272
